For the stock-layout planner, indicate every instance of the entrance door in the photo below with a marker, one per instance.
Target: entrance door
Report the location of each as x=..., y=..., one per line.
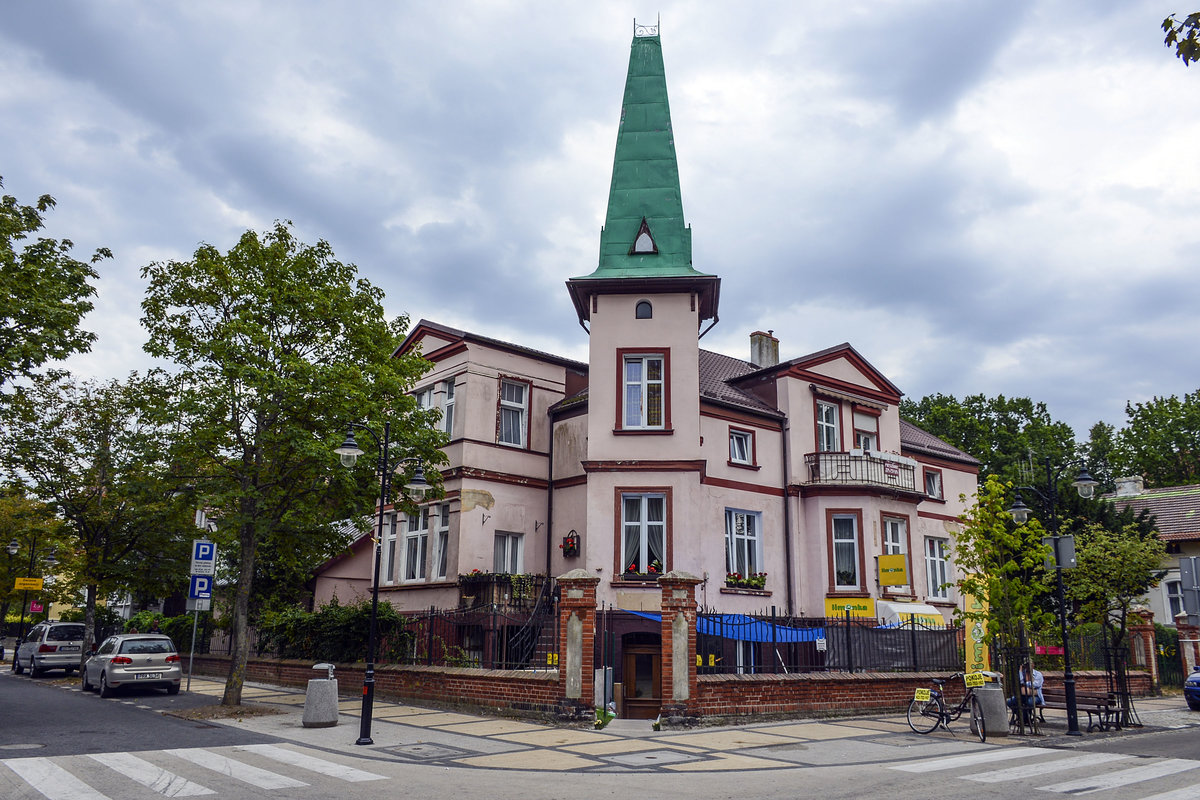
x=642, y=680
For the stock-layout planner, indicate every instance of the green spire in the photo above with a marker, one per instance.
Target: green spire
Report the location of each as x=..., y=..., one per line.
x=644, y=233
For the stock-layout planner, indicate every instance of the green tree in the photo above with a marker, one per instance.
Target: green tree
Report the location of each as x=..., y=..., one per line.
x=1184, y=36
x=1004, y=433
x=279, y=346
x=98, y=454
x=1161, y=440
x=43, y=292
x=36, y=530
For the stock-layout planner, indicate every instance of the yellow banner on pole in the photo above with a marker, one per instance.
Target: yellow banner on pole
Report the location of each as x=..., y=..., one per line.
x=978, y=658
x=29, y=584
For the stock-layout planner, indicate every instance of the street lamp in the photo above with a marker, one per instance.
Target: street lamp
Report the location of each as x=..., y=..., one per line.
x=1085, y=484
x=50, y=560
x=349, y=451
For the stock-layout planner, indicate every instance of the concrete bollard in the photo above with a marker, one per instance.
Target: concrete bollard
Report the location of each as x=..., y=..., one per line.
x=321, y=700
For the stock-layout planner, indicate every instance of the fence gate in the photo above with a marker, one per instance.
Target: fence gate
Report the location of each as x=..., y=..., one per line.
x=1170, y=665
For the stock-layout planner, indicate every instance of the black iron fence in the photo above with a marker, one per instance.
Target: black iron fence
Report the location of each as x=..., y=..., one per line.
x=763, y=643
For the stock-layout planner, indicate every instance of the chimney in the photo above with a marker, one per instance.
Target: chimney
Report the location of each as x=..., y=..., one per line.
x=1130, y=486
x=764, y=349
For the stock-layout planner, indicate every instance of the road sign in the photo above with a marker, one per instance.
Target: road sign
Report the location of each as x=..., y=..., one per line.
x=199, y=605
x=204, y=557
x=36, y=607
x=201, y=587
x=28, y=584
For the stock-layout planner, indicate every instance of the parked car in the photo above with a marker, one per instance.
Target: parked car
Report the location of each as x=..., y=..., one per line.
x=1191, y=690
x=50, y=645
x=129, y=659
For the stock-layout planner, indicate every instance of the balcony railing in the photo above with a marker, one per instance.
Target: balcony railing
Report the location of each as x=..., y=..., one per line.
x=499, y=591
x=862, y=468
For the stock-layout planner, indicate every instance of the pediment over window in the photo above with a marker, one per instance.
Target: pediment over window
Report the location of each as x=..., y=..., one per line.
x=643, y=243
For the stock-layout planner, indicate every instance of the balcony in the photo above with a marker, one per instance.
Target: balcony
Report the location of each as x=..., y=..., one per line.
x=862, y=468
x=499, y=591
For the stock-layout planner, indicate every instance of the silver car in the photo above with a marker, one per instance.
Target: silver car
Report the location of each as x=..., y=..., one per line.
x=133, y=659
x=50, y=645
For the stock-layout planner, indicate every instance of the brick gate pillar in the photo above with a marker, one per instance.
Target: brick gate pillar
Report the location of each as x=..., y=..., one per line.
x=1142, y=644
x=1189, y=643
x=678, y=642
x=577, y=635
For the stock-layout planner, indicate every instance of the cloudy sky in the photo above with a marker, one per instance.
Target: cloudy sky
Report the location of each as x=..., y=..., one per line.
x=990, y=196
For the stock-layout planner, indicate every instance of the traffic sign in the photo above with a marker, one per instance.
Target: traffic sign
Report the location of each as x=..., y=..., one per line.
x=28, y=584
x=201, y=587
x=204, y=557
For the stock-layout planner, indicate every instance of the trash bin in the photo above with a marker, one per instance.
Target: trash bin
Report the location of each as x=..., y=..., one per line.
x=321, y=700
x=995, y=711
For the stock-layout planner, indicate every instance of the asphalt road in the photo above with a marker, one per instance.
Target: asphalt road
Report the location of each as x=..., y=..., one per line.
x=38, y=717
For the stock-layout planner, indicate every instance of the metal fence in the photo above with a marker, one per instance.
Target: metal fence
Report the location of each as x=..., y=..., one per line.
x=764, y=643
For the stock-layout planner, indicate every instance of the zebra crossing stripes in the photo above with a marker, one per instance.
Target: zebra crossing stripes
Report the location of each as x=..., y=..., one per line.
x=982, y=757
x=1045, y=767
x=254, y=776
x=52, y=780
x=1127, y=777
x=306, y=761
x=154, y=778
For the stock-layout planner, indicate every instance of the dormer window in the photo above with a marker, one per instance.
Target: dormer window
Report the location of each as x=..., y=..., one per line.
x=644, y=310
x=643, y=243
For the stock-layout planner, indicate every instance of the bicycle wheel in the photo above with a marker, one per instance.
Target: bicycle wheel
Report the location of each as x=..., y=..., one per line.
x=977, y=725
x=925, y=715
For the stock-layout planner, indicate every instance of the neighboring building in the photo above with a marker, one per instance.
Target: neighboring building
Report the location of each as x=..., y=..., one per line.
x=1176, y=510
x=658, y=455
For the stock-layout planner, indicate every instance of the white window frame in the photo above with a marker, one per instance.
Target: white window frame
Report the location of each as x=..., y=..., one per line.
x=416, y=546
x=441, y=542
x=424, y=398
x=895, y=535
x=866, y=440
x=743, y=545
x=741, y=447
x=937, y=567
x=638, y=534
x=519, y=408
x=638, y=390
x=838, y=536
x=508, y=552
x=448, y=407
x=388, y=554
x=933, y=484
x=828, y=440
x=1174, y=592
x=746, y=655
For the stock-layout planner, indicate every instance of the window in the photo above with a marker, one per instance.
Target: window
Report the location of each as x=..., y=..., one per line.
x=747, y=656
x=513, y=406
x=827, y=427
x=864, y=440
x=448, y=407
x=866, y=430
x=1175, y=598
x=389, y=550
x=424, y=398
x=644, y=310
x=643, y=392
x=741, y=447
x=508, y=553
x=845, y=551
x=643, y=533
x=933, y=483
x=441, y=541
x=416, y=544
x=743, y=546
x=935, y=568
x=895, y=537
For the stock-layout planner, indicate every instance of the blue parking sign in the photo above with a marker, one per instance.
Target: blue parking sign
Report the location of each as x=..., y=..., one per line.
x=204, y=557
x=200, y=588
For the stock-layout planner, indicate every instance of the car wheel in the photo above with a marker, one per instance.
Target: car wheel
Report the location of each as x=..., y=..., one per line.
x=105, y=689
x=17, y=668
x=1194, y=705
x=173, y=688
x=35, y=672
x=83, y=681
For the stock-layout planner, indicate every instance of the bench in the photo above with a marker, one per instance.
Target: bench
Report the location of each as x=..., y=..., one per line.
x=1103, y=710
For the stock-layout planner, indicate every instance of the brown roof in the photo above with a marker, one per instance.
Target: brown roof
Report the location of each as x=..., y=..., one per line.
x=922, y=441
x=716, y=371
x=1176, y=510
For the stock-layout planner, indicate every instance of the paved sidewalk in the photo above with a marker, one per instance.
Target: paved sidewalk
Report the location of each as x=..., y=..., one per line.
x=430, y=736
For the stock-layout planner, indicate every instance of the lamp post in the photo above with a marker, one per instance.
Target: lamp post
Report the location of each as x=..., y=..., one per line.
x=50, y=560
x=1085, y=484
x=349, y=451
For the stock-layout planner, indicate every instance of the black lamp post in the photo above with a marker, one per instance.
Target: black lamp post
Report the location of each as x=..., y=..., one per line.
x=1085, y=484
x=50, y=560
x=349, y=451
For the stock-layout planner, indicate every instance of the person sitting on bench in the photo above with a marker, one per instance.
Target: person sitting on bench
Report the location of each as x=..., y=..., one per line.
x=1031, y=681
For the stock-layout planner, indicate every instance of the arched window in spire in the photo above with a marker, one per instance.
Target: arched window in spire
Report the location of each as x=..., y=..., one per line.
x=643, y=243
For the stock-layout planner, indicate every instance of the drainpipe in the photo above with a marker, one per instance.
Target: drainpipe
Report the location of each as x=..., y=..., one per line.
x=549, y=497
x=787, y=521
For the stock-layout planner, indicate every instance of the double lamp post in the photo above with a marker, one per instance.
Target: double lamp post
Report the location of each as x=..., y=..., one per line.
x=349, y=451
x=1064, y=556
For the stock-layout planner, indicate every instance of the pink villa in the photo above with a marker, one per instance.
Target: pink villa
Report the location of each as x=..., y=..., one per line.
x=791, y=484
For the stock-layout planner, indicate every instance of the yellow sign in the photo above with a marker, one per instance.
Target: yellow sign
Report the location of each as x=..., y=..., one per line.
x=859, y=606
x=893, y=570
x=551, y=659
x=977, y=654
x=921, y=695
x=973, y=680
x=29, y=584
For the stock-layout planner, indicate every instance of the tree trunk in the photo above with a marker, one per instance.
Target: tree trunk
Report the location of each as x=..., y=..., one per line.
x=89, y=623
x=241, y=616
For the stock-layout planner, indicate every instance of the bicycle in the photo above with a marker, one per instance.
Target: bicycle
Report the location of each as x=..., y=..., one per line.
x=928, y=709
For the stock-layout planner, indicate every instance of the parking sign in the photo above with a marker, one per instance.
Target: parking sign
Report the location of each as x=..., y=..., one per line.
x=200, y=588
x=204, y=557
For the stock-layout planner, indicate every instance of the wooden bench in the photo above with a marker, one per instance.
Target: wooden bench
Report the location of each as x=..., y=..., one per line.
x=1103, y=710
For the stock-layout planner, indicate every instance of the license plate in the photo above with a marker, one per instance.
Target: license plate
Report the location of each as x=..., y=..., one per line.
x=147, y=676
x=71, y=648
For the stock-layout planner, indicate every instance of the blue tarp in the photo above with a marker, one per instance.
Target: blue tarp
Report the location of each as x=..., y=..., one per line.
x=745, y=628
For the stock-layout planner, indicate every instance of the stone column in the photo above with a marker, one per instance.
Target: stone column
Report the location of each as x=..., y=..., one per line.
x=577, y=634
x=1189, y=643
x=1142, y=649
x=678, y=642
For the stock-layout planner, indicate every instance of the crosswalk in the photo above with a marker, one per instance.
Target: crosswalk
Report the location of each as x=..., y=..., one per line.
x=1065, y=773
x=78, y=777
